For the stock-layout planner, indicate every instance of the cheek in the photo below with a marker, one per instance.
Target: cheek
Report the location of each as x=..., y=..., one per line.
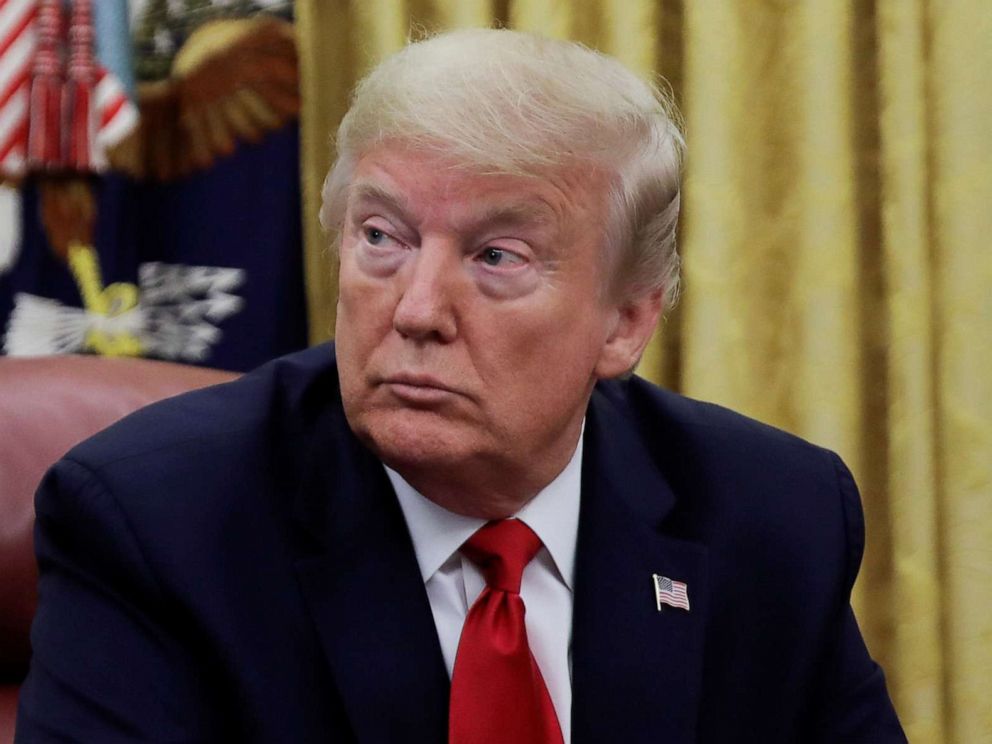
x=363, y=298
x=364, y=315
x=569, y=354
x=553, y=349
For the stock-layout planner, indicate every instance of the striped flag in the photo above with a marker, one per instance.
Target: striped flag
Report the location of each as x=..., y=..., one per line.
x=116, y=116
x=59, y=106
x=114, y=92
x=17, y=46
x=670, y=592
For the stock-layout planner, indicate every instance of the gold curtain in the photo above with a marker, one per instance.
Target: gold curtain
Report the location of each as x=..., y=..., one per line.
x=838, y=281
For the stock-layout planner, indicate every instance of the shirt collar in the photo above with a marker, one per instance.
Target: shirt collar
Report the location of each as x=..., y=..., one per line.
x=553, y=515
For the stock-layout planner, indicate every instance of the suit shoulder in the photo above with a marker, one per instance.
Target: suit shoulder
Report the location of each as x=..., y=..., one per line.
x=273, y=400
x=728, y=469
x=662, y=416
x=190, y=472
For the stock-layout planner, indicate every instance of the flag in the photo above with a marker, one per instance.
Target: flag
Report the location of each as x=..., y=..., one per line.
x=61, y=105
x=17, y=46
x=114, y=89
x=671, y=593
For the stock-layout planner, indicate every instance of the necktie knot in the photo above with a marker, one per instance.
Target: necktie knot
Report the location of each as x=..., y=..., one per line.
x=502, y=550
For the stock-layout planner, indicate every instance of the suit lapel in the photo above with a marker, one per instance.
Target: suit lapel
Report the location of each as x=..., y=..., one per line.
x=636, y=670
x=365, y=593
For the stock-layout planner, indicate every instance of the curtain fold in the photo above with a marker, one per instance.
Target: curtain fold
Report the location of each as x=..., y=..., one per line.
x=959, y=126
x=916, y=659
x=837, y=278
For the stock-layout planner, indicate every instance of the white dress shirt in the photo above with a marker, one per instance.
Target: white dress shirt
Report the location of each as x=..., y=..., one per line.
x=453, y=582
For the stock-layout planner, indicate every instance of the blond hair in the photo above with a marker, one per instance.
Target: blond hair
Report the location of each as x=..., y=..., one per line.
x=511, y=102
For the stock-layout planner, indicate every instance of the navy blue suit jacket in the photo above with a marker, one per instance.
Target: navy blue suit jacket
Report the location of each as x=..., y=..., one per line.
x=232, y=565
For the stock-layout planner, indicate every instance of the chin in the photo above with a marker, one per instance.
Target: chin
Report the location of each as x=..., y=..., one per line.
x=411, y=439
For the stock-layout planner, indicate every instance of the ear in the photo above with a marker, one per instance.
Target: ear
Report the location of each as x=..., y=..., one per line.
x=635, y=322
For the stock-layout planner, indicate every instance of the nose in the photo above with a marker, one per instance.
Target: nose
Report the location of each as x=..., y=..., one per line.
x=425, y=311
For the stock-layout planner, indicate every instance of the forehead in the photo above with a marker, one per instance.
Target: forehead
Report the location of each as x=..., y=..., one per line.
x=425, y=185
x=514, y=209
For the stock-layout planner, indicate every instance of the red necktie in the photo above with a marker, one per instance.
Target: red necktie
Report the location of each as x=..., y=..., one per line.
x=497, y=691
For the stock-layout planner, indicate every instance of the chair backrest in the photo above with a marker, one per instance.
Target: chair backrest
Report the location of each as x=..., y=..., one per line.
x=47, y=405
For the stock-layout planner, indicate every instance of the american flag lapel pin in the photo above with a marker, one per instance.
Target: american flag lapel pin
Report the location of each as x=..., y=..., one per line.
x=670, y=592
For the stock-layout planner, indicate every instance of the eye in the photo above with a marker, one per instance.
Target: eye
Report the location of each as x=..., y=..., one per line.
x=493, y=256
x=374, y=235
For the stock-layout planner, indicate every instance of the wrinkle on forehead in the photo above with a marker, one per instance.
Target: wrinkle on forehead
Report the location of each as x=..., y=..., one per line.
x=547, y=202
x=538, y=213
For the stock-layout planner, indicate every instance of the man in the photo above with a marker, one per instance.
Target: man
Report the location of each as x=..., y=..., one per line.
x=341, y=546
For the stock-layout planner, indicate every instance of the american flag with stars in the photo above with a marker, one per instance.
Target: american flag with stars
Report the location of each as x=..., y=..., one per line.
x=671, y=593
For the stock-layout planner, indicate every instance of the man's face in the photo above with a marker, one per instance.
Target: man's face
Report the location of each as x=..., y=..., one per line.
x=472, y=321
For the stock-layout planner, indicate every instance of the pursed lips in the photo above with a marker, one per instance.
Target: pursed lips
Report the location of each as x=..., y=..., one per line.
x=419, y=388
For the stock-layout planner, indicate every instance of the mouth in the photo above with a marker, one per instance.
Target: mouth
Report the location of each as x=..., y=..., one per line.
x=418, y=389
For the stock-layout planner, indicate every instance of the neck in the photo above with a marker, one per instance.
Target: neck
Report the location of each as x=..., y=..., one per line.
x=491, y=491
x=483, y=501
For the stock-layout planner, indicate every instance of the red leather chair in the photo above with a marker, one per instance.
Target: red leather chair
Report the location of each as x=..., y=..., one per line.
x=48, y=404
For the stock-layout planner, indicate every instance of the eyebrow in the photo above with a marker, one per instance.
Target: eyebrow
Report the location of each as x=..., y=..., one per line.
x=517, y=215
x=510, y=215
x=370, y=192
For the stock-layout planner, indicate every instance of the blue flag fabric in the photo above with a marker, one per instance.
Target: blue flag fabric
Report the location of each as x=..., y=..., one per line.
x=113, y=40
x=205, y=270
